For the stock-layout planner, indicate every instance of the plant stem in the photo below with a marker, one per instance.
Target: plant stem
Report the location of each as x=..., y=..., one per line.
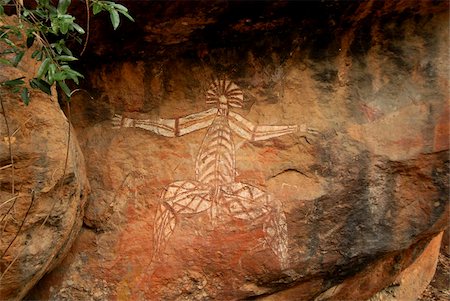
x=21, y=225
x=9, y=146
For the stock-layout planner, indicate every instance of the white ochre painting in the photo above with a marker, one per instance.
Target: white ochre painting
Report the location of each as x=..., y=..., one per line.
x=215, y=189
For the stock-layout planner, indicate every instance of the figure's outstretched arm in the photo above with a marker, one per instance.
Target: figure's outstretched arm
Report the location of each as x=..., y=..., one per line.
x=173, y=127
x=249, y=131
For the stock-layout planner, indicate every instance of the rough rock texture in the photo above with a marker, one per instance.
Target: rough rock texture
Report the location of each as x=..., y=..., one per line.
x=42, y=201
x=362, y=197
x=438, y=288
x=413, y=280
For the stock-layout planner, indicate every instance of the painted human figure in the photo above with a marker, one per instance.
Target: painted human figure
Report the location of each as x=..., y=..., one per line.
x=214, y=188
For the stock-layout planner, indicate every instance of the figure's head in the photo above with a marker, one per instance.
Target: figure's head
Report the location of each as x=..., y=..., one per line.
x=224, y=94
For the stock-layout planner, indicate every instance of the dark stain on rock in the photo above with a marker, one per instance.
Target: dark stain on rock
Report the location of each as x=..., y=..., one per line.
x=324, y=45
x=151, y=101
x=362, y=41
x=429, y=71
x=338, y=273
x=315, y=229
x=391, y=28
x=326, y=76
x=325, y=82
x=366, y=229
x=440, y=178
x=400, y=56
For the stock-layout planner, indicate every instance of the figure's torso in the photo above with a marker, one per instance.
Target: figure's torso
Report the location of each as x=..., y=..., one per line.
x=215, y=162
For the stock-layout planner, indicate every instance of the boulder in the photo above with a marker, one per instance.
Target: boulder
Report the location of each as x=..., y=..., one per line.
x=43, y=185
x=413, y=280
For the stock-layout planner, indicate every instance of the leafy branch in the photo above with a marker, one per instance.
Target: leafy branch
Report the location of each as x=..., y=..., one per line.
x=50, y=29
x=113, y=9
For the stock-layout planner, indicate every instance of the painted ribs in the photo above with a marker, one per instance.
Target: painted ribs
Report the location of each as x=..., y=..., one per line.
x=215, y=162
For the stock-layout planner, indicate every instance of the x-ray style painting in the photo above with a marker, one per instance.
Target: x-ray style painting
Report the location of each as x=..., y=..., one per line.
x=215, y=189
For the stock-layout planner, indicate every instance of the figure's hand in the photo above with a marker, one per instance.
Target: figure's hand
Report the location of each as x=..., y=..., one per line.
x=308, y=133
x=122, y=122
x=307, y=130
x=117, y=121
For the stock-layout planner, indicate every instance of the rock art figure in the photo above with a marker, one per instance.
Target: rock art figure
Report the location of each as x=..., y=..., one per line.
x=215, y=189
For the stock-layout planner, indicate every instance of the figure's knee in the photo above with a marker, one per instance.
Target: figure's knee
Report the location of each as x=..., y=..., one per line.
x=179, y=187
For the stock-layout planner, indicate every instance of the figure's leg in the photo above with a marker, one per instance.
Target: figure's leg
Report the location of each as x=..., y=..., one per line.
x=277, y=234
x=165, y=222
x=182, y=197
x=248, y=202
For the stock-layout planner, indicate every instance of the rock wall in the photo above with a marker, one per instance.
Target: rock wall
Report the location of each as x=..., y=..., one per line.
x=361, y=185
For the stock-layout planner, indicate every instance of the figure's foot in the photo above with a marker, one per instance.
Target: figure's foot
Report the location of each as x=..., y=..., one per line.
x=308, y=130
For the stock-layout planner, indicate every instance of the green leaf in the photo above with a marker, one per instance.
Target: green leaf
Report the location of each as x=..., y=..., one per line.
x=41, y=85
x=14, y=82
x=57, y=47
x=30, y=40
x=66, y=50
x=55, y=26
x=67, y=17
x=18, y=58
x=2, y=11
x=35, y=53
x=64, y=26
x=62, y=6
x=115, y=19
x=97, y=7
x=43, y=3
x=41, y=14
x=119, y=7
x=5, y=61
x=51, y=74
x=8, y=51
x=77, y=74
x=73, y=77
x=78, y=28
x=7, y=26
x=60, y=76
x=66, y=58
x=18, y=32
x=25, y=96
x=64, y=87
x=53, y=11
x=72, y=73
x=43, y=68
x=9, y=42
x=126, y=15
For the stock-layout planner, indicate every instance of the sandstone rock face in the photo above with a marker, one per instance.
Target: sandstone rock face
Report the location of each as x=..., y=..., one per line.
x=412, y=281
x=361, y=193
x=42, y=197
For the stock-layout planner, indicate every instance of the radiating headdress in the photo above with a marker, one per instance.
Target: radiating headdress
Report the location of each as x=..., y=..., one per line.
x=228, y=89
